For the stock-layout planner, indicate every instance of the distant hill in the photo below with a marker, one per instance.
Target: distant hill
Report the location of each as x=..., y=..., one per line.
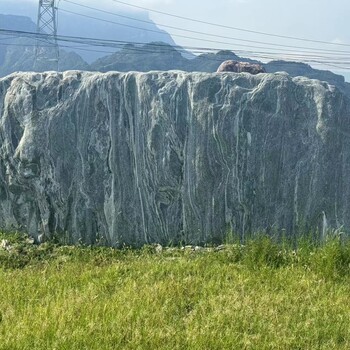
x=161, y=56
x=152, y=56
x=74, y=25
x=15, y=22
x=80, y=26
x=17, y=54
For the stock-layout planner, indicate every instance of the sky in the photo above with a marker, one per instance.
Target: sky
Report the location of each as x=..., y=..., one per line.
x=323, y=20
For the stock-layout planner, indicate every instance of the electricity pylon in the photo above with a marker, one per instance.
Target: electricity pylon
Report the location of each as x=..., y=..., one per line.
x=47, y=48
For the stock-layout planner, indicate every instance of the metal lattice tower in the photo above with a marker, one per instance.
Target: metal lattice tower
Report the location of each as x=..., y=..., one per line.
x=47, y=51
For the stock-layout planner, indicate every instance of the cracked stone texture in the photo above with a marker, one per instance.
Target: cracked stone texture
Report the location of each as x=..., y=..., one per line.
x=133, y=158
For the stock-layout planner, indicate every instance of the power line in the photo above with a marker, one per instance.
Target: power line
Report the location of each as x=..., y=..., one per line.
x=117, y=43
x=9, y=38
x=314, y=59
x=230, y=27
x=173, y=27
x=83, y=40
x=208, y=34
x=141, y=51
x=208, y=40
x=120, y=44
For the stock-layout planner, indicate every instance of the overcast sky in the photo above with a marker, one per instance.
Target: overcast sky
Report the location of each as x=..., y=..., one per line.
x=324, y=20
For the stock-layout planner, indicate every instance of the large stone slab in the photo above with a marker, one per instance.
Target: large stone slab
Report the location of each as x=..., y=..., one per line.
x=133, y=158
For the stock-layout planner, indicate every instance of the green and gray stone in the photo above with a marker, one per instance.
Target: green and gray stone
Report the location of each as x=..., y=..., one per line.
x=165, y=157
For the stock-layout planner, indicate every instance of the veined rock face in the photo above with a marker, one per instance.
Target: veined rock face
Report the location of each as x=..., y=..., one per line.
x=133, y=158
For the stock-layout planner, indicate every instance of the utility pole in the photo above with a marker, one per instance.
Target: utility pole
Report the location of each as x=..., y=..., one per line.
x=47, y=48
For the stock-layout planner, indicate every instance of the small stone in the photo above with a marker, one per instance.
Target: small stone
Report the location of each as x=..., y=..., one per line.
x=220, y=247
x=187, y=247
x=158, y=248
x=5, y=245
x=198, y=248
x=30, y=240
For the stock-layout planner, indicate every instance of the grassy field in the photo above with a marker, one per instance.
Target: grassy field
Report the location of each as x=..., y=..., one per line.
x=258, y=296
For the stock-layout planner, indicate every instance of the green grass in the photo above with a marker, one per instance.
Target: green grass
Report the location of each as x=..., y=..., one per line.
x=258, y=296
